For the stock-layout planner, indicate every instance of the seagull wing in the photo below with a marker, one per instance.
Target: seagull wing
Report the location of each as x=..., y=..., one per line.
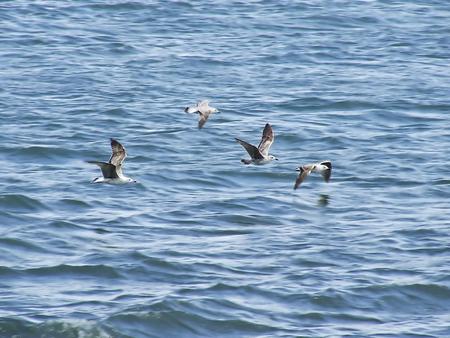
x=202, y=105
x=108, y=169
x=251, y=150
x=118, y=153
x=304, y=172
x=326, y=174
x=191, y=109
x=266, y=140
x=203, y=116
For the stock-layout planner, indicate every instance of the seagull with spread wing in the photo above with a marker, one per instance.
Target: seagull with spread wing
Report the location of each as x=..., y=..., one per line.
x=323, y=168
x=260, y=154
x=112, y=170
x=203, y=109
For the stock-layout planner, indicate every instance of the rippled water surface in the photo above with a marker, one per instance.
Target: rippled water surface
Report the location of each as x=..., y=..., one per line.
x=202, y=245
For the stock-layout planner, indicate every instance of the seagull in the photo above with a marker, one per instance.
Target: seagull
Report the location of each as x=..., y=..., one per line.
x=259, y=155
x=323, y=168
x=112, y=170
x=203, y=109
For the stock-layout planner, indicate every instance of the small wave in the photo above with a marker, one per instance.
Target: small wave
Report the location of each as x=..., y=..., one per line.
x=74, y=203
x=174, y=318
x=11, y=327
x=120, y=6
x=393, y=297
x=15, y=202
x=20, y=244
x=42, y=153
x=65, y=270
x=8, y=272
x=314, y=104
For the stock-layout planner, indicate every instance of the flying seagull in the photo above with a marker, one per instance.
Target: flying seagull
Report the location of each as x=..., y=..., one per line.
x=112, y=170
x=323, y=168
x=259, y=155
x=203, y=109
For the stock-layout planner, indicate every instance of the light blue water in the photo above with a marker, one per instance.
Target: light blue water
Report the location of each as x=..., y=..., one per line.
x=204, y=246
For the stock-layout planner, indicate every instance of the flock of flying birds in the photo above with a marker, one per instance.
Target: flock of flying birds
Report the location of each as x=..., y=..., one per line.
x=113, y=174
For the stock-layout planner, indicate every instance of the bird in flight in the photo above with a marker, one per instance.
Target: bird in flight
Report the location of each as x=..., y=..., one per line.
x=260, y=154
x=112, y=170
x=203, y=109
x=323, y=168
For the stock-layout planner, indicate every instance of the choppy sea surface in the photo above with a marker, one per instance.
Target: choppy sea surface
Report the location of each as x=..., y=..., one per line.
x=202, y=245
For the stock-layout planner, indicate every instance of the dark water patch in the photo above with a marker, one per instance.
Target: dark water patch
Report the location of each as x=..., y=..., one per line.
x=60, y=225
x=74, y=271
x=101, y=231
x=421, y=232
x=17, y=202
x=42, y=154
x=74, y=204
x=6, y=272
x=245, y=292
x=313, y=104
x=165, y=252
x=249, y=220
x=409, y=298
x=404, y=117
x=116, y=112
x=120, y=6
x=16, y=244
x=353, y=318
x=162, y=270
x=222, y=233
x=441, y=182
x=313, y=263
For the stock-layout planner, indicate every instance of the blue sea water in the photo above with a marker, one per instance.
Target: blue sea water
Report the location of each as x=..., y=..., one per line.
x=202, y=245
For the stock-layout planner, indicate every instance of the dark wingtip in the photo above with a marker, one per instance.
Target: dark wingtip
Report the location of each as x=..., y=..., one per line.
x=186, y=109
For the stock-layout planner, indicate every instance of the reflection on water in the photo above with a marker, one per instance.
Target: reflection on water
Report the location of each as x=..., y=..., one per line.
x=323, y=200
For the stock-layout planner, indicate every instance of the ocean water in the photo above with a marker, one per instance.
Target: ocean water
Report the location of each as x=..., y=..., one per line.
x=202, y=245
